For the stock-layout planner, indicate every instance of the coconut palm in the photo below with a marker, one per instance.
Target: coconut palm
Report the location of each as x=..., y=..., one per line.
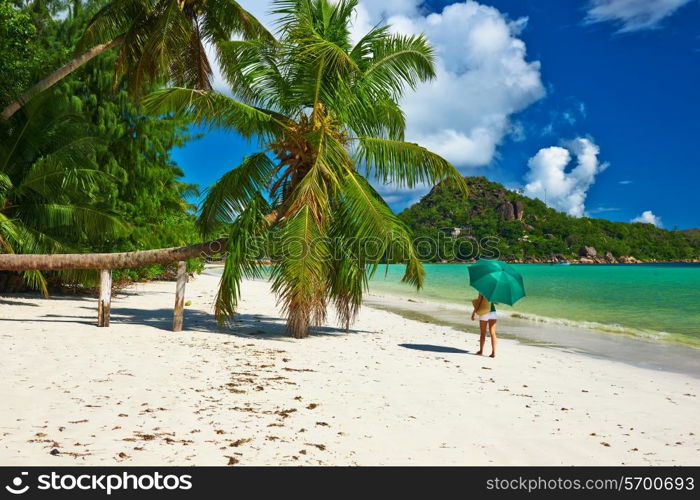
x=327, y=117
x=46, y=185
x=157, y=40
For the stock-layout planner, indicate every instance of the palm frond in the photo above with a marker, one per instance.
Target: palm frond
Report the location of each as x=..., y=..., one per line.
x=36, y=281
x=224, y=18
x=380, y=234
x=113, y=20
x=83, y=221
x=10, y=235
x=65, y=170
x=405, y=163
x=193, y=70
x=232, y=193
x=251, y=69
x=398, y=61
x=347, y=276
x=216, y=110
x=245, y=241
x=166, y=39
x=363, y=52
x=5, y=184
x=373, y=118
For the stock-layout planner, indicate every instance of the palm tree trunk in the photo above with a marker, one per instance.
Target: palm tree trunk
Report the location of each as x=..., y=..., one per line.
x=58, y=75
x=55, y=262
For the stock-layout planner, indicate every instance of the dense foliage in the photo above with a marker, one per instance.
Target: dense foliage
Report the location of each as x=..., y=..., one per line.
x=125, y=169
x=541, y=233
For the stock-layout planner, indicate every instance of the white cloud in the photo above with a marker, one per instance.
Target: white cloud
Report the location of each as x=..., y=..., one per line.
x=483, y=79
x=599, y=210
x=632, y=15
x=549, y=180
x=648, y=217
x=625, y=182
x=483, y=75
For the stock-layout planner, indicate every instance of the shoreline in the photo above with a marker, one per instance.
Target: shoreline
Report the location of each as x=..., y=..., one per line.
x=567, y=335
x=391, y=391
x=652, y=301
x=606, y=328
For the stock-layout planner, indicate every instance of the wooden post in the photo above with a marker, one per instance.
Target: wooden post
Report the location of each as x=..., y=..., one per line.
x=179, y=313
x=105, y=301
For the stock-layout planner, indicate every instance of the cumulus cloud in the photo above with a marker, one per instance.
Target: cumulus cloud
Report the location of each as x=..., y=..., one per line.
x=632, y=15
x=648, y=217
x=483, y=79
x=483, y=74
x=549, y=180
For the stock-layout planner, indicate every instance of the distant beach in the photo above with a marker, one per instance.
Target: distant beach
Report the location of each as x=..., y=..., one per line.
x=393, y=390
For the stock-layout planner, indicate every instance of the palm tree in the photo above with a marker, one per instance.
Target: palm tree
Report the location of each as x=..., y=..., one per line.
x=325, y=113
x=46, y=186
x=158, y=40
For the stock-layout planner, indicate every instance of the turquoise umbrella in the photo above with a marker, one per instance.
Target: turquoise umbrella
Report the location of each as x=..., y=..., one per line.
x=497, y=281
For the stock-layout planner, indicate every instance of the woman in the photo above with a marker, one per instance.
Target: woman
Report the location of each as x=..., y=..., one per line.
x=487, y=319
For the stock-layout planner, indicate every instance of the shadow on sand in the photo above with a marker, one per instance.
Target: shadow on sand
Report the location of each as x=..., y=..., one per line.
x=244, y=325
x=434, y=348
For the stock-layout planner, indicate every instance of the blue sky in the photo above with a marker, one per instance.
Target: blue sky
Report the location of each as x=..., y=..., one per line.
x=593, y=105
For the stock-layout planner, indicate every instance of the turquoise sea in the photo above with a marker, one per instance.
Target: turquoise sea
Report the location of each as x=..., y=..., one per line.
x=648, y=300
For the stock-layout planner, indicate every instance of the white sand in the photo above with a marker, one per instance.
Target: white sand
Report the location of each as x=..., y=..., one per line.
x=138, y=394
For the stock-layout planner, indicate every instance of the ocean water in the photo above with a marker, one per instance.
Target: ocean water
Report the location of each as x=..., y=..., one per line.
x=660, y=301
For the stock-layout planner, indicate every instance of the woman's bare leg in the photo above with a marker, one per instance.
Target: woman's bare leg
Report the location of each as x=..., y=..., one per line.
x=482, y=337
x=492, y=330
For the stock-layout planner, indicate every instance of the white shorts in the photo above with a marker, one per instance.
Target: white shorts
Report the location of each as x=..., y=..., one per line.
x=490, y=315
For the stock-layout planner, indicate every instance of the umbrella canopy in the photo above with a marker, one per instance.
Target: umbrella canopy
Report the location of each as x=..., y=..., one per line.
x=497, y=281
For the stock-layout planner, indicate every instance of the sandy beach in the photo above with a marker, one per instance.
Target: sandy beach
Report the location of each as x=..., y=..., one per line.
x=392, y=391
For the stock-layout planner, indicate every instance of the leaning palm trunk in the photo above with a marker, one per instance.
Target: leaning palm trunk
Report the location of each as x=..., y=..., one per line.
x=57, y=262
x=59, y=74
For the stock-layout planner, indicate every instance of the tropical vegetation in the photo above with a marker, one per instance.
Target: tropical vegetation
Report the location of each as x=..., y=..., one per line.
x=155, y=40
x=48, y=187
x=540, y=233
x=327, y=117
x=82, y=167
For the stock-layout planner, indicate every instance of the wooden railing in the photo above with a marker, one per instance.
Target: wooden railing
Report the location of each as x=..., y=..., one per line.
x=105, y=262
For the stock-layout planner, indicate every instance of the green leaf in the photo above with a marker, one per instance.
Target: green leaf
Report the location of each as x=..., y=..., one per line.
x=231, y=194
x=404, y=163
x=216, y=110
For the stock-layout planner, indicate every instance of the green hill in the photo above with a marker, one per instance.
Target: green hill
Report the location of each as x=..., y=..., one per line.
x=693, y=235
x=519, y=228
